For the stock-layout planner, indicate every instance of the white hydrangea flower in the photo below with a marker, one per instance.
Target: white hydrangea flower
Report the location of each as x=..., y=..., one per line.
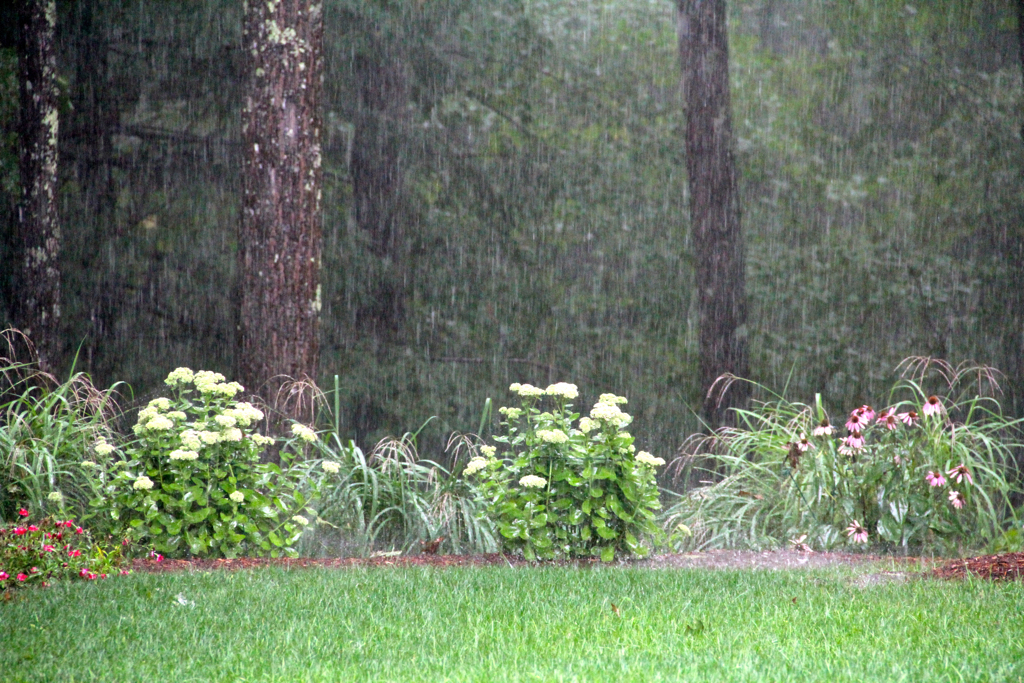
x=610, y=413
x=489, y=451
x=191, y=440
x=237, y=496
x=330, y=467
x=225, y=421
x=474, y=466
x=102, y=447
x=304, y=433
x=612, y=399
x=229, y=389
x=563, y=389
x=177, y=415
x=250, y=411
x=511, y=413
x=160, y=403
x=261, y=440
x=159, y=424
x=147, y=414
x=300, y=519
x=210, y=438
x=143, y=483
x=55, y=496
x=515, y=387
x=587, y=425
x=648, y=459
x=206, y=377
x=179, y=376
x=555, y=436
x=233, y=434
x=530, y=391
x=180, y=454
x=533, y=481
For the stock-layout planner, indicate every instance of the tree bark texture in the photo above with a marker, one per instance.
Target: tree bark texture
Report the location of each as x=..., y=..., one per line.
x=714, y=203
x=36, y=309
x=383, y=96
x=281, y=231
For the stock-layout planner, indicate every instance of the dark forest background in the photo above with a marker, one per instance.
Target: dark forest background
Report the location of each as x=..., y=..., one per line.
x=505, y=199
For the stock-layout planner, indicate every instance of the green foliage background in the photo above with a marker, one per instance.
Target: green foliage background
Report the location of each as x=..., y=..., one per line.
x=544, y=199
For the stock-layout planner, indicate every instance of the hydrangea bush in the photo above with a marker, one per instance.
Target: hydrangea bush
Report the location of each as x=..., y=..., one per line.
x=562, y=488
x=46, y=550
x=192, y=483
x=925, y=472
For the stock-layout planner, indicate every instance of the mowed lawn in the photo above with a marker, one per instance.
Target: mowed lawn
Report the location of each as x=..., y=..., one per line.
x=514, y=624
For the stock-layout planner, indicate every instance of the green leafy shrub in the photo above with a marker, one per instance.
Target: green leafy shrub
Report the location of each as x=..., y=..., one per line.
x=192, y=483
x=45, y=427
x=48, y=550
x=560, y=491
x=925, y=473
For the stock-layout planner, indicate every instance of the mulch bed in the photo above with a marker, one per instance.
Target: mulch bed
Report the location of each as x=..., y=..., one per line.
x=1004, y=567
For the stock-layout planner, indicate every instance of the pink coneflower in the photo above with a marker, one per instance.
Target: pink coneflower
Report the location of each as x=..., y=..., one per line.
x=857, y=533
x=887, y=418
x=932, y=406
x=855, y=423
x=957, y=499
x=866, y=413
x=854, y=440
x=846, y=450
x=908, y=418
x=804, y=443
x=823, y=429
x=935, y=478
x=960, y=473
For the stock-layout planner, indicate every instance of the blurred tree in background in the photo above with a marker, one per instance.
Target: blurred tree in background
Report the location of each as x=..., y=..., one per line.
x=505, y=198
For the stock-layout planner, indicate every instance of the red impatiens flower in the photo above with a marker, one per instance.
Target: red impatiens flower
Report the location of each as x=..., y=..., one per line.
x=932, y=406
x=22, y=577
x=48, y=548
x=33, y=527
x=935, y=478
x=4, y=576
x=960, y=473
x=79, y=530
x=74, y=553
x=157, y=556
x=125, y=572
x=20, y=531
x=23, y=512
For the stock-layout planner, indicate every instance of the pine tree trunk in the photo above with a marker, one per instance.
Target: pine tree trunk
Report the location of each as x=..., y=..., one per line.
x=714, y=203
x=36, y=309
x=281, y=232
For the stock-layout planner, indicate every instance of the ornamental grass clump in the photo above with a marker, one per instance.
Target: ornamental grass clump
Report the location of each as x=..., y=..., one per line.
x=562, y=488
x=929, y=472
x=192, y=482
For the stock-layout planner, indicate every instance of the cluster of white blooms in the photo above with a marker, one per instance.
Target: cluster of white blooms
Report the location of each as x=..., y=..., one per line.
x=87, y=464
x=233, y=434
x=56, y=496
x=526, y=390
x=648, y=459
x=300, y=519
x=330, y=467
x=143, y=483
x=180, y=454
x=304, y=433
x=210, y=438
x=212, y=383
x=612, y=400
x=511, y=413
x=532, y=481
x=474, y=466
x=555, y=436
x=237, y=496
x=177, y=415
x=611, y=413
x=261, y=440
x=563, y=389
x=179, y=376
x=160, y=403
x=159, y=424
x=190, y=439
x=489, y=451
x=225, y=421
x=244, y=414
x=102, y=447
x=587, y=425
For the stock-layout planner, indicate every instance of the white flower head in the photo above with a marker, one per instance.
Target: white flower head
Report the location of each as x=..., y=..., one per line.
x=304, y=432
x=237, y=496
x=330, y=467
x=611, y=413
x=300, y=519
x=55, y=496
x=103, y=448
x=261, y=440
x=209, y=438
x=511, y=413
x=233, y=434
x=159, y=424
x=177, y=415
x=530, y=391
x=143, y=483
x=180, y=454
x=612, y=400
x=488, y=451
x=648, y=459
x=191, y=440
x=225, y=421
x=515, y=387
x=555, y=436
x=533, y=481
x=88, y=464
x=474, y=466
x=587, y=425
x=564, y=390
x=179, y=376
x=160, y=403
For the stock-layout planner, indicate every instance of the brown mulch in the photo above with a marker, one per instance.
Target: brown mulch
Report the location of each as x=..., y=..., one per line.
x=1004, y=567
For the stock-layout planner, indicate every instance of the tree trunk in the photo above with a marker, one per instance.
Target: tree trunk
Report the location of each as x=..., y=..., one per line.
x=714, y=204
x=377, y=189
x=281, y=232
x=36, y=309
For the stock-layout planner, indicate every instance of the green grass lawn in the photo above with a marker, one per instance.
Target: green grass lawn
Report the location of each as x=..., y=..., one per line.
x=505, y=624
